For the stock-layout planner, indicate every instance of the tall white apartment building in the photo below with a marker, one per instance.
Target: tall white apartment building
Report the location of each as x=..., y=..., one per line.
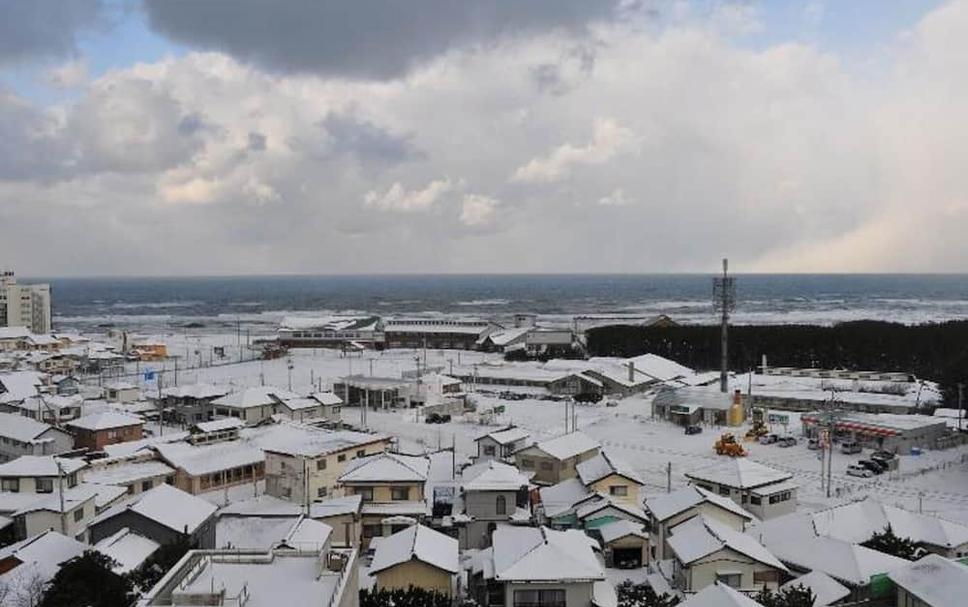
x=23, y=305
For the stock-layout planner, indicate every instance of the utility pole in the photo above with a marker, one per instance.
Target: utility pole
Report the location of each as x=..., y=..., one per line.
x=669, y=477
x=724, y=300
x=961, y=391
x=60, y=490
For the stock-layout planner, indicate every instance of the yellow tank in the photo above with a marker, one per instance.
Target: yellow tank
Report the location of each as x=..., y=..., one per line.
x=736, y=413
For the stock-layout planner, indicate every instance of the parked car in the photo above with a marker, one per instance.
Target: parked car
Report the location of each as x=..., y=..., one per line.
x=856, y=470
x=813, y=444
x=693, y=430
x=769, y=439
x=884, y=456
x=611, y=403
x=787, y=441
x=872, y=465
x=437, y=418
x=849, y=447
x=587, y=397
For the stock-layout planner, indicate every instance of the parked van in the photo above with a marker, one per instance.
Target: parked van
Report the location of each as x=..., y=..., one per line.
x=850, y=446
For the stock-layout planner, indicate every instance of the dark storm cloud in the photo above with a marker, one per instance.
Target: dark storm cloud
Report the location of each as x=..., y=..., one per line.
x=43, y=28
x=362, y=38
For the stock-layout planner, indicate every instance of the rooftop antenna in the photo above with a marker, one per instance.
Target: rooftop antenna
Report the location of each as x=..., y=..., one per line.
x=724, y=301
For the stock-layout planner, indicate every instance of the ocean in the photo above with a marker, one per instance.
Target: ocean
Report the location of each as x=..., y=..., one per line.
x=258, y=303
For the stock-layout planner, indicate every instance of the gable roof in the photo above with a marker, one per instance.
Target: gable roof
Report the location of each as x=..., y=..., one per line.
x=506, y=436
x=105, y=420
x=665, y=506
x=326, y=398
x=621, y=528
x=699, y=537
x=41, y=557
x=848, y=563
x=298, y=439
x=568, y=445
x=739, y=473
x=127, y=548
x=536, y=554
x=719, y=595
x=254, y=397
x=167, y=506
x=859, y=521
x=386, y=467
x=935, y=580
x=22, y=428
x=40, y=465
x=601, y=502
x=826, y=590
x=604, y=465
x=493, y=476
x=420, y=543
x=561, y=497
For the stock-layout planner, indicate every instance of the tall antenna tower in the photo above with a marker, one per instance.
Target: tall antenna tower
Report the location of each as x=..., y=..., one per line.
x=724, y=301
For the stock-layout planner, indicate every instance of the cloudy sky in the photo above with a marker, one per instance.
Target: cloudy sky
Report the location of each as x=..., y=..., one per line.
x=316, y=136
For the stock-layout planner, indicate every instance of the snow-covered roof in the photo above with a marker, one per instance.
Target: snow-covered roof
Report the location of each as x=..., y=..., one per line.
x=18, y=385
x=330, y=323
x=700, y=536
x=493, y=476
x=252, y=532
x=14, y=333
x=659, y=368
x=667, y=505
x=41, y=557
x=540, y=554
x=21, y=428
x=168, y=506
x=506, y=436
x=621, y=528
x=848, y=563
x=205, y=459
x=935, y=580
x=419, y=543
x=604, y=465
x=386, y=467
x=859, y=521
x=128, y=549
x=561, y=497
x=105, y=420
x=73, y=497
x=40, y=465
x=395, y=508
x=503, y=337
x=326, y=398
x=739, y=473
x=310, y=441
x=773, y=489
x=254, y=397
x=719, y=595
x=218, y=425
x=125, y=473
x=601, y=502
x=336, y=506
x=826, y=590
x=568, y=445
x=196, y=391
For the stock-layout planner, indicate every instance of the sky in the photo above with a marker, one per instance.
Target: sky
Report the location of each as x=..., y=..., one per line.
x=176, y=137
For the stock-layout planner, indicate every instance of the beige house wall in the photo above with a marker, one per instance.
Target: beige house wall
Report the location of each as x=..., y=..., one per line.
x=633, y=489
x=415, y=573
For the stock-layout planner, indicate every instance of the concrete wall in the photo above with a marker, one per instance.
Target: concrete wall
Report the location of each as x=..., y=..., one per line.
x=418, y=574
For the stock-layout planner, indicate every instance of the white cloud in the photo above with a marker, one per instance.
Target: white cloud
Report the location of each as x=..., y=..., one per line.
x=397, y=198
x=478, y=210
x=609, y=138
x=616, y=198
x=72, y=74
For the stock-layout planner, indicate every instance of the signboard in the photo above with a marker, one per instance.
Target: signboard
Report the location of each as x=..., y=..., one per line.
x=778, y=418
x=499, y=408
x=684, y=409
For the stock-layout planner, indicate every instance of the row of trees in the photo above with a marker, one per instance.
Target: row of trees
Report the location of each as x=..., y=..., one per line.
x=642, y=595
x=934, y=351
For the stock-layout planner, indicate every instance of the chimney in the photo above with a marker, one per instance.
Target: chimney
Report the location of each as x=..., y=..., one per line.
x=631, y=371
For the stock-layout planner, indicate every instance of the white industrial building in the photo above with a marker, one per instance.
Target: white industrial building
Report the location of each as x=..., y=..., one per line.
x=24, y=305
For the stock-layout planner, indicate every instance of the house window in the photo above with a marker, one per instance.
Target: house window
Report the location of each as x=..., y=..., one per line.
x=489, y=450
x=145, y=485
x=361, y=453
x=539, y=598
x=321, y=463
x=45, y=485
x=10, y=484
x=756, y=500
x=723, y=490
x=733, y=580
x=501, y=505
x=78, y=514
x=341, y=457
x=618, y=490
x=366, y=493
x=527, y=464
x=400, y=494
x=321, y=492
x=780, y=497
x=371, y=531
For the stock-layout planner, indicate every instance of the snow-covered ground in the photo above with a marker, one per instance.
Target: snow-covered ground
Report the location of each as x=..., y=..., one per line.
x=936, y=482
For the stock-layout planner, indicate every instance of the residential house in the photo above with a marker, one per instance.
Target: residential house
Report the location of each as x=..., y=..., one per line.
x=317, y=407
x=95, y=431
x=932, y=581
x=27, y=566
x=556, y=504
x=69, y=512
x=670, y=509
x=207, y=467
x=719, y=595
x=611, y=476
x=135, y=474
x=764, y=491
x=625, y=544
x=162, y=514
x=501, y=444
x=30, y=474
x=598, y=510
x=538, y=566
x=826, y=590
x=191, y=403
x=252, y=405
x=555, y=460
x=122, y=392
x=127, y=549
x=392, y=489
x=21, y=435
x=304, y=463
x=416, y=556
x=217, y=431
x=492, y=493
x=342, y=514
x=50, y=409
x=705, y=551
